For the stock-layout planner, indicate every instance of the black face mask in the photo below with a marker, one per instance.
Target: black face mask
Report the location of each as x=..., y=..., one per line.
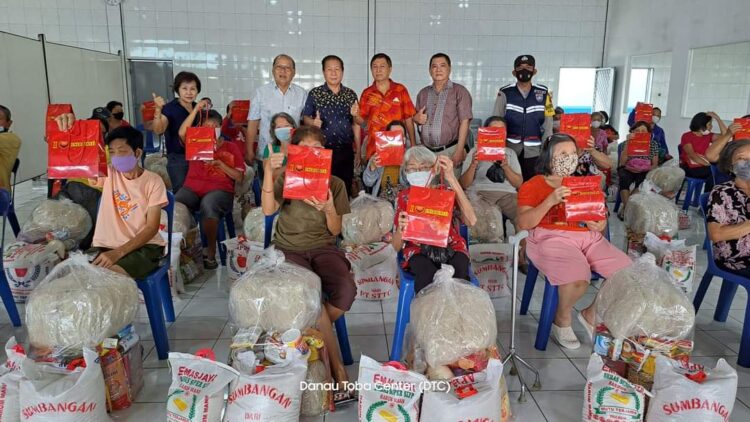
x=118, y=116
x=495, y=173
x=524, y=75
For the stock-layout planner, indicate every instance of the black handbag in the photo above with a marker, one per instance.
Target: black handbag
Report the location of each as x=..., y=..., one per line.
x=437, y=254
x=495, y=173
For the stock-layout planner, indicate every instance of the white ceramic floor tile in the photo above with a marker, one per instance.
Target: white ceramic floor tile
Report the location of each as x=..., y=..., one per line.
x=525, y=346
x=365, y=324
x=156, y=383
x=527, y=411
x=188, y=328
x=345, y=413
x=560, y=405
x=740, y=413
x=743, y=394
x=200, y=307
x=181, y=346
x=366, y=306
x=375, y=347
x=705, y=345
x=142, y=412
x=221, y=350
x=555, y=374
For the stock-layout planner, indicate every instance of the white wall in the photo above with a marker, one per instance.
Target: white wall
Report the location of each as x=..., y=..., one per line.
x=637, y=27
x=230, y=43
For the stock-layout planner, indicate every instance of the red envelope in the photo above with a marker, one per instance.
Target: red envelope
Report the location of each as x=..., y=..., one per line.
x=577, y=125
x=639, y=144
x=308, y=173
x=586, y=201
x=239, y=112
x=491, y=143
x=148, y=112
x=390, y=147
x=743, y=133
x=644, y=112
x=54, y=110
x=200, y=143
x=429, y=215
x=77, y=153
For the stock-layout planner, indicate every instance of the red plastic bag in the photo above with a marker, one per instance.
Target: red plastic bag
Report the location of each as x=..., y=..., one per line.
x=429, y=215
x=644, y=112
x=76, y=153
x=586, y=201
x=308, y=173
x=390, y=147
x=639, y=145
x=148, y=111
x=200, y=143
x=54, y=110
x=743, y=133
x=239, y=112
x=577, y=125
x=491, y=143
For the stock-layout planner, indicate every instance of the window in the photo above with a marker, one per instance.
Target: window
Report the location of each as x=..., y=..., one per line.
x=576, y=89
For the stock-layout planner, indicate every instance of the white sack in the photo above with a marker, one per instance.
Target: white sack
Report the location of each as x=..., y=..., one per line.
x=399, y=398
x=610, y=397
x=10, y=379
x=26, y=265
x=197, y=390
x=375, y=270
x=492, y=264
x=241, y=255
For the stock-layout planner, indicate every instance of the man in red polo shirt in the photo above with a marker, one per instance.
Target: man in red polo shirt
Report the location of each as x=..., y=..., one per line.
x=383, y=102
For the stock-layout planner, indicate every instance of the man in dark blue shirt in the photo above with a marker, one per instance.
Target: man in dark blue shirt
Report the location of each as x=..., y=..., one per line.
x=329, y=107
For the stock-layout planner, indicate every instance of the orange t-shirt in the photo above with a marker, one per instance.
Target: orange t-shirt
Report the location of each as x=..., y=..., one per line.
x=124, y=205
x=534, y=192
x=379, y=110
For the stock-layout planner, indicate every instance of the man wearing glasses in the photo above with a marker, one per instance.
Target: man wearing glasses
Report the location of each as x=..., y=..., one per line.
x=274, y=97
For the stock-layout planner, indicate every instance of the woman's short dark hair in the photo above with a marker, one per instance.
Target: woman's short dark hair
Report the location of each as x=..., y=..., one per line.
x=112, y=104
x=381, y=56
x=332, y=57
x=492, y=119
x=395, y=123
x=308, y=132
x=215, y=116
x=638, y=124
x=183, y=78
x=131, y=135
x=284, y=116
x=699, y=121
x=725, y=157
x=544, y=163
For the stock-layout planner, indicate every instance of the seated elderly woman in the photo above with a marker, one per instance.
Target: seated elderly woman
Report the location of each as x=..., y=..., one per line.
x=565, y=252
x=633, y=169
x=422, y=167
x=306, y=233
x=384, y=182
x=729, y=210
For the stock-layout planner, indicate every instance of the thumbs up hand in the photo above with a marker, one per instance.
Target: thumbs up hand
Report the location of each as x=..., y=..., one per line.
x=158, y=101
x=354, y=110
x=421, y=118
x=317, y=122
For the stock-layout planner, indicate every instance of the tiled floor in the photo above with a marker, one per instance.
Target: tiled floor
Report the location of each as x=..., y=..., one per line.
x=202, y=322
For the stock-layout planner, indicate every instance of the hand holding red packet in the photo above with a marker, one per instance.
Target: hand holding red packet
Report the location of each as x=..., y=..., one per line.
x=644, y=112
x=54, y=110
x=148, y=111
x=200, y=143
x=491, y=143
x=240, y=110
x=639, y=144
x=389, y=146
x=743, y=133
x=76, y=153
x=308, y=173
x=577, y=125
x=586, y=200
x=429, y=216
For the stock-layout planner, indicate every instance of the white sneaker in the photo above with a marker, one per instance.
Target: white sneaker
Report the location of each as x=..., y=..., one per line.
x=589, y=328
x=565, y=337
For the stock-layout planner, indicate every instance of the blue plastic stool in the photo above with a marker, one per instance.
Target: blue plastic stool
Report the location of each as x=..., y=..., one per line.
x=694, y=189
x=156, y=292
x=618, y=200
x=718, y=176
x=729, y=284
x=546, y=316
x=341, y=331
x=5, y=293
x=405, y=296
x=225, y=226
x=256, y=190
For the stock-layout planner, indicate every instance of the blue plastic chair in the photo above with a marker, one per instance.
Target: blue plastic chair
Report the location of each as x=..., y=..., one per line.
x=618, y=200
x=225, y=226
x=694, y=189
x=5, y=293
x=156, y=292
x=256, y=190
x=729, y=284
x=405, y=296
x=341, y=331
x=719, y=176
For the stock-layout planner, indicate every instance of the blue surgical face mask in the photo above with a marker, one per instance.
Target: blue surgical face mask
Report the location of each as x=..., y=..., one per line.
x=283, y=134
x=741, y=169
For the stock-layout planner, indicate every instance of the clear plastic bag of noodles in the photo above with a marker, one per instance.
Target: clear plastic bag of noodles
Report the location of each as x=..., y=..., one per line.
x=651, y=212
x=275, y=295
x=667, y=179
x=60, y=219
x=370, y=219
x=489, y=226
x=255, y=225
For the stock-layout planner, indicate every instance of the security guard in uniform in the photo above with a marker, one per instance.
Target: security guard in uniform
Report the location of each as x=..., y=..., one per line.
x=528, y=112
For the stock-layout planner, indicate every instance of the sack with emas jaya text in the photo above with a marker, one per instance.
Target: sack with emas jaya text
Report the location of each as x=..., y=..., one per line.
x=393, y=393
x=370, y=219
x=10, y=379
x=198, y=387
x=275, y=295
x=610, y=397
x=678, y=260
x=53, y=394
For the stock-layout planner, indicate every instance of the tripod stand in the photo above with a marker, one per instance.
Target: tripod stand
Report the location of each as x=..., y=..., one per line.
x=512, y=354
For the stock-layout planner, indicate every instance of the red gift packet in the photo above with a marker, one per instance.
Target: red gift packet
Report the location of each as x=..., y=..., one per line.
x=240, y=110
x=639, y=144
x=76, y=153
x=200, y=143
x=54, y=110
x=491, y=143
x=577, y=125
x=148, y=111
x=644, y=112
x=429, y=215
x=586, y=201
x=743, y=133
x=308, y=173
x=390, y=147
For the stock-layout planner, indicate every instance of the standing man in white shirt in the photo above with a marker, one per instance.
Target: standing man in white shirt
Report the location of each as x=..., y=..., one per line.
x=281, y=95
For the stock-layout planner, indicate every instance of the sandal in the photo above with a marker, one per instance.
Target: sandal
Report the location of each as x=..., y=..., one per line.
x=343, y=397
x=210, y=263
